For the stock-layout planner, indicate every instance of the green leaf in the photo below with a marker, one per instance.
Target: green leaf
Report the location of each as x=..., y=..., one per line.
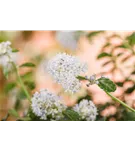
x=120, y=84
x=31, y=85
x=131, y=39
x=93, y=34
x=104, y=54
x=5, y=72
x=106, y=84
x=71, y=115
x=27, y=76
x=129, y=116
x=15, y=50
x=81, y=78
x=124, y=45
x=28, y=64
x=14, y=113
x=9, y=87
x=130, y=89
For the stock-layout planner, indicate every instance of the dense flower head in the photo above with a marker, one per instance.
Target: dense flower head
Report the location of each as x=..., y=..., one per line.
x=65, y=68
x=47, y=105
x=86, y=110
x=6, y=55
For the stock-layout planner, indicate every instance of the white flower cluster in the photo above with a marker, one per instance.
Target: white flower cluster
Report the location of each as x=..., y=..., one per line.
x=47, y=105
x=65, y=68
x=86, y=110
x=6, y=55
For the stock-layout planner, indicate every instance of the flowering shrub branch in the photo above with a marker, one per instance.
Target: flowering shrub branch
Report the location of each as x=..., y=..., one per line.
x=65, y=70
x=108, y=86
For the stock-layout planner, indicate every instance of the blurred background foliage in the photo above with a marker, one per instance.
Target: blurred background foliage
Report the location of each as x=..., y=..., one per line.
x=108, y=53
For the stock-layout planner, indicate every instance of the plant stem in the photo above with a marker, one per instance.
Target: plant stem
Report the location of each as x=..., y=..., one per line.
x=19, y=79
x=109, y=94
x=118, y=100
x=21, y=82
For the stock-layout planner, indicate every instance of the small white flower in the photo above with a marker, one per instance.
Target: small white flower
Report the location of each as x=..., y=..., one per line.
x=47, y=105
x=5, y=47
x=65, y=68
x=6, y=55
x=86, y=110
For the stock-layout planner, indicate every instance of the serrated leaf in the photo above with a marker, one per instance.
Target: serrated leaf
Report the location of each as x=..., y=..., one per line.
x=104, y=54
x=71, y=115
x=9, y=87
x=106, y=84
x=14, y=113
x=130, y=89
x=15, y=50
x=120, y=84
x=28, y=64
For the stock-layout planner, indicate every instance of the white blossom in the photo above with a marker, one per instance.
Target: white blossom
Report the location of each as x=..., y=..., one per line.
x=6, y=55
x=86, y=110
x=65, y=68
x=5, y=47
x=47, y=105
